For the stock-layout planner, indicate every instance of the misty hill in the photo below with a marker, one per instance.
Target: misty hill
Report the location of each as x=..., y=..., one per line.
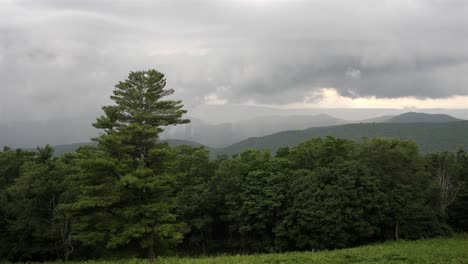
x=429, y=136
x=224, y=134
x=62, y=149
x=61, y=132
x=413, y=117
x=27, y=134
x=179, y=142
x=380, y=119
x=216, y=114
x=68, y=148
x=263, y=125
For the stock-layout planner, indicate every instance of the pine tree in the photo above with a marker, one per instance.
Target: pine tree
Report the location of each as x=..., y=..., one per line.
x=126, y=188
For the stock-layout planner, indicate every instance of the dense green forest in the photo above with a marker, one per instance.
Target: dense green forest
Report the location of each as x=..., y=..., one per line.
x=132, y=195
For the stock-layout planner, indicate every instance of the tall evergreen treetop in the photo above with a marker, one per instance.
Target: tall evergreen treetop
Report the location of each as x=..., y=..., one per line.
x=134, y=123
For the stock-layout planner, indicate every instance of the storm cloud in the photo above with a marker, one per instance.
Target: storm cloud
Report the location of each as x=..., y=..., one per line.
x=61, y=58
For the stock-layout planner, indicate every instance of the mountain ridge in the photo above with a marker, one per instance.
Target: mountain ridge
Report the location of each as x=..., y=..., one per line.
x=227, y=133
x=429, y=136
x=386, y=126
x=416, y=117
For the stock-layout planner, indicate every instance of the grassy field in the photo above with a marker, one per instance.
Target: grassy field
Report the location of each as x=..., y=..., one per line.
x=439, y=250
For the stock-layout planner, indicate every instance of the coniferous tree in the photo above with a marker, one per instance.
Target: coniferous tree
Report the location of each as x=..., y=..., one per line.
x=126, y=193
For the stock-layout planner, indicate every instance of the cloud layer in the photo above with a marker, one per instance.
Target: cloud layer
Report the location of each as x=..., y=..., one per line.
x=62, y=58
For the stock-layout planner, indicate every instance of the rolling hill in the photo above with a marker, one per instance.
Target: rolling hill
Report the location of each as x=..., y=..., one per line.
x=380, y=119
x=413, y=117
x=225, y=134
x=433, y=132
x=429, y=136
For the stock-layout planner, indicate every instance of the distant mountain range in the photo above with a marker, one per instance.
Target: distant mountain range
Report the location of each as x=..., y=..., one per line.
x=429, y=136
x=433, y=132
x=380, y=119
x=413, y=117
x=221, y=125
x=225, y=134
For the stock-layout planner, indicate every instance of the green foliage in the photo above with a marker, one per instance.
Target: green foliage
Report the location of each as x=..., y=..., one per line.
x=10, y=165
x=322, y=194
x=333, y=207
x=34, y=227
x=126, y=187
x=321, y=152
x=11, y=162
x=458, y=210
x=411, y=211
x=196, y=200
x=133, y=125
x=254, y=198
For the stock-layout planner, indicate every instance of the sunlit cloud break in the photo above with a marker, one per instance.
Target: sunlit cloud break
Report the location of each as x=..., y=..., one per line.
x=330, y=98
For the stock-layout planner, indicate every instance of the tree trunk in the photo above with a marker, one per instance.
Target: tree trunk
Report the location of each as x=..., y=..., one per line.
x=396, y=230
x=150, y=254
x=203, y=242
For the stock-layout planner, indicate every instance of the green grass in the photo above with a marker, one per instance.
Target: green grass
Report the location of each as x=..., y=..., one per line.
x=438, y=250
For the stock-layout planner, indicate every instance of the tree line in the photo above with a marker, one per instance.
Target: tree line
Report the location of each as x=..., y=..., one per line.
x=132, y=195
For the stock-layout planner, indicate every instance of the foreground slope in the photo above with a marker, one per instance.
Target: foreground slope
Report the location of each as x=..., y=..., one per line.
x=437, y=250
x=429, y=136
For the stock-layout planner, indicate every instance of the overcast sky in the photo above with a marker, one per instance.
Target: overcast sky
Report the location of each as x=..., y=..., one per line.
x=60, y=59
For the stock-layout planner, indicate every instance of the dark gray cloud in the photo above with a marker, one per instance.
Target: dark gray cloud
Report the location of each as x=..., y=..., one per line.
x=62, y=58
